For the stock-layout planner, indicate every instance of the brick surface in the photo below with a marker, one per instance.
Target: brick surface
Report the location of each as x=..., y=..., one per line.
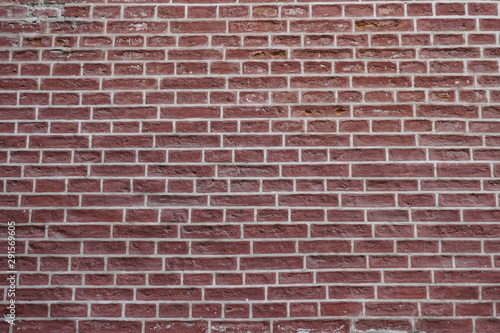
x=251, y=166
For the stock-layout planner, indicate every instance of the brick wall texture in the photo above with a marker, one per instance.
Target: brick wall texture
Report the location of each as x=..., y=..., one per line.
x=217, y=166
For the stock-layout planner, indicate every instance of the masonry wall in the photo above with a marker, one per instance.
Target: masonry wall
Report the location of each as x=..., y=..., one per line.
x=221, y=166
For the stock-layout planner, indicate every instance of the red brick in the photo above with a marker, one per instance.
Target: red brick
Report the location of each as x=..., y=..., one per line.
x=234, y=294
x=296, y=326
x=437, y=309
x=383, y=25
x=167, y=145
x=254, y=263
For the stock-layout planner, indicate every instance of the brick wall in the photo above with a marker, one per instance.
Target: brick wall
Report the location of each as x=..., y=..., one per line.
x=223, y=166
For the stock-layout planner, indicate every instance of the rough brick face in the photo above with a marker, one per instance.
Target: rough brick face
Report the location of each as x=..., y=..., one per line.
x=258, y=166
